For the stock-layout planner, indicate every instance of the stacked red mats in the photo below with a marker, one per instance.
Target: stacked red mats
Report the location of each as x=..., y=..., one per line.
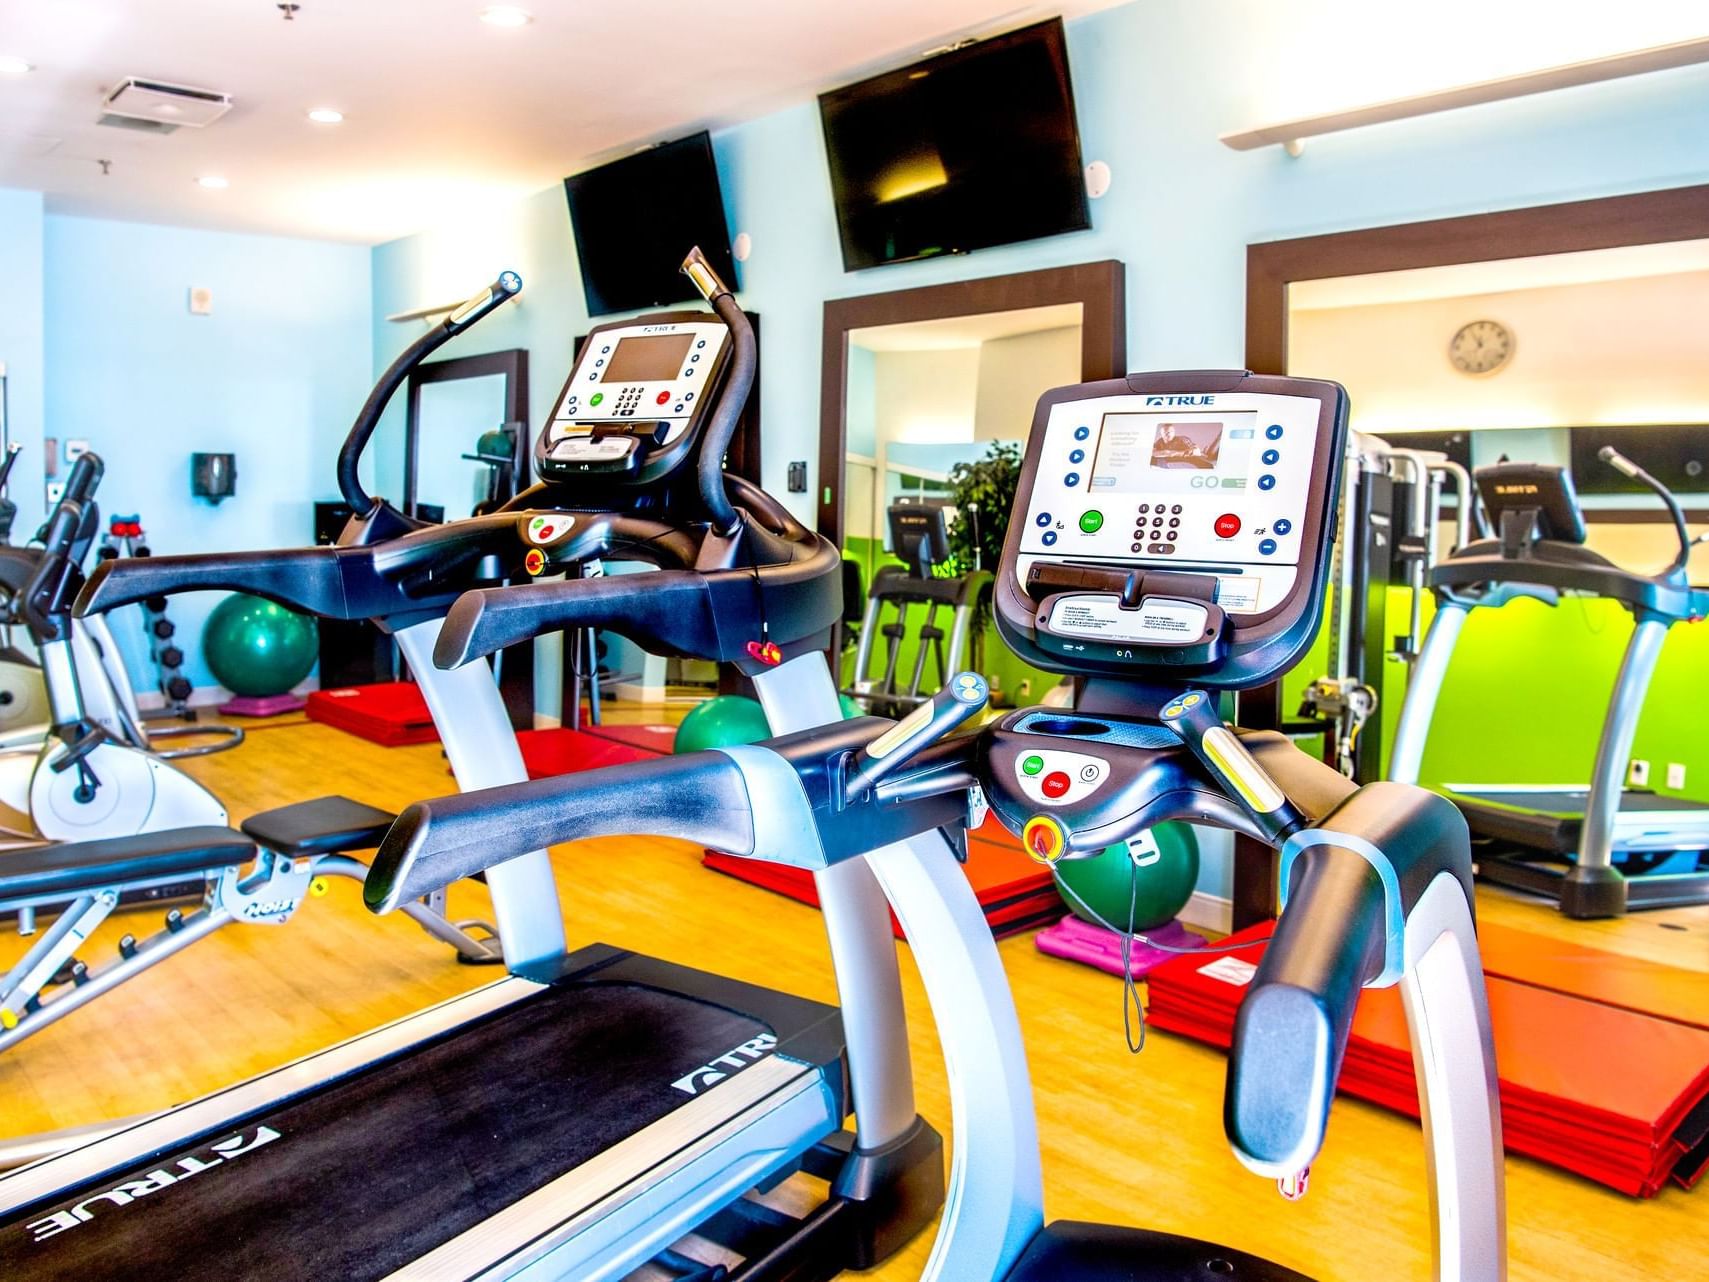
x=1015, y=893
x=391, y=713
x=1604, y=1059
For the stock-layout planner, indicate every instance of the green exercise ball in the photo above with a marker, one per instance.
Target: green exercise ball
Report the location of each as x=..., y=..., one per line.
x=722, y=722
x=1164, y=861
x=257, y=647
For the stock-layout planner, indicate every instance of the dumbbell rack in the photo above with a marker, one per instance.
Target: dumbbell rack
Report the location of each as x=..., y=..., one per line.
x=125, y=537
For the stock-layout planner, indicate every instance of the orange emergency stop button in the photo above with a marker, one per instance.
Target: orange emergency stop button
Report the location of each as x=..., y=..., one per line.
x=1043, y=839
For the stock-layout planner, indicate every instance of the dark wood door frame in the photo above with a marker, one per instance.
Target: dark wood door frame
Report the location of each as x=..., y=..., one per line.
x=1609, y=222
x=512, y=365
x=1100, y=288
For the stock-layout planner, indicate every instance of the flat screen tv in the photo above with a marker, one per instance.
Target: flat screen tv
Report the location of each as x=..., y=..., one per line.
x=973, y=148
x=635, y=220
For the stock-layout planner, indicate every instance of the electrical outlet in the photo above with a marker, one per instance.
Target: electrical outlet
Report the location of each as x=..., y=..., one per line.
x=1676, y=775
x=1638, y=773
x=1026, y=688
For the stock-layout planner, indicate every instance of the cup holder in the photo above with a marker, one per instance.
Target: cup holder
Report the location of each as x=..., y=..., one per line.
x=1068, y=727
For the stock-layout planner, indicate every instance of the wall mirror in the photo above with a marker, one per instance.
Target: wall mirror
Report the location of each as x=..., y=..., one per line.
x=918, y=383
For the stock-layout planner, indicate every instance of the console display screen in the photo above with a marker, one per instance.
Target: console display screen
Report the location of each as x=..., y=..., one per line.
x=1147, y=453
x=647, y=358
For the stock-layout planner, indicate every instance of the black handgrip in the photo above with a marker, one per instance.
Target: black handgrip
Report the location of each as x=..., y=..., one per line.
x=661, y=603
x=699, y=797
x=43, y=597
x=303, y=578
x=507, y=286
x=1290, y=1034
x=12, y=452
x=85, y=476
x=1623, y=465
x=732, y=399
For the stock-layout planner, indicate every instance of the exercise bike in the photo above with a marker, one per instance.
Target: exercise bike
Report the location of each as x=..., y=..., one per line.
x=88, y=776
x=399, y=572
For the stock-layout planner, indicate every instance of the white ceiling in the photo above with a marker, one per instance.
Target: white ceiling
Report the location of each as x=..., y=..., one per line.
x=445, y=115
x=1461, y=280
x=954, y=333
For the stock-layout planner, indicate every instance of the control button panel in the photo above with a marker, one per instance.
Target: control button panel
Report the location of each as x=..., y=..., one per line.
x=550, y=528
x=1217, y=483
x=645, y=370
x=1050, y=777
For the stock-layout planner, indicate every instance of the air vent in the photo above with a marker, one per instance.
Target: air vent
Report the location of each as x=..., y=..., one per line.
x=157, y=107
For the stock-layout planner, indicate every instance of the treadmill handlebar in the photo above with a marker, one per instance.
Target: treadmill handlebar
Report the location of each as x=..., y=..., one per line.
x=506, y=287
x=1626, y=467
x=699, y=797
x=720, y=614
x=1351, y=882
x=420, y=571
x=1290, y=1034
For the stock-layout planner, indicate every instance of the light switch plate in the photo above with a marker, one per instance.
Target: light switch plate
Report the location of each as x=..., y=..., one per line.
x=201, y=301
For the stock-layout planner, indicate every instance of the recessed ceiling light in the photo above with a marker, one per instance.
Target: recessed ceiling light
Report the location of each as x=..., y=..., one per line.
x=506, y=15
x=326, y=116
x=14, y=67
x=213, y=182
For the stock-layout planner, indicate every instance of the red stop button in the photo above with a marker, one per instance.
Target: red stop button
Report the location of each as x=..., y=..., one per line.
x=1227, y=525
x=663, y=398
x=1055, y=784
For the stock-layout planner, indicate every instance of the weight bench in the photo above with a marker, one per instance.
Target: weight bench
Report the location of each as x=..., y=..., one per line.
x=259, y=875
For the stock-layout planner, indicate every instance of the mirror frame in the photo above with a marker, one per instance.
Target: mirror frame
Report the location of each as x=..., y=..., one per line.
x=1100, y=288
x=512, y=363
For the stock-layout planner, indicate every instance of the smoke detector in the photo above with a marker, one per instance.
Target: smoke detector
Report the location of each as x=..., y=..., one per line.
x=158, y=107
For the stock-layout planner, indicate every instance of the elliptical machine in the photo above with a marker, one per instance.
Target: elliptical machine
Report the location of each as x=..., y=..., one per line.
x=1376, y=880
x=578, y=1117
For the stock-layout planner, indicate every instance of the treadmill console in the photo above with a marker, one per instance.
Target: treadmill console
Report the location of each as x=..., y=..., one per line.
x=634, y=405
x=1172, y=526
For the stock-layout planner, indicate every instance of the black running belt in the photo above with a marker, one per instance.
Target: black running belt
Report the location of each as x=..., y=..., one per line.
x=1570, y=804
x=357, y=1179
x=1546, y=820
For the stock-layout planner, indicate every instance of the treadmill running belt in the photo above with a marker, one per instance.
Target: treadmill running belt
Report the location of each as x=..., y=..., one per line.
x=355, y=1180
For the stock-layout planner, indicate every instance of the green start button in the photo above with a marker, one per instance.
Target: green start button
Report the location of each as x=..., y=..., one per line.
x=1033, y=764
x=1092, y=521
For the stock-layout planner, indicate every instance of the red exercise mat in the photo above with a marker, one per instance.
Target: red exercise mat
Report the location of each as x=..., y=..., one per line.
x=1015, y=893
x=391, y=713
x=564, y=751
x=1613, y=1094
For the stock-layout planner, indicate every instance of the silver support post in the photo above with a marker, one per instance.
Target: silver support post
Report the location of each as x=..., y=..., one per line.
x=1453, y=1057
x=1608, y=778
x=995, y=1200
x=863, y=647
x=798, y=696
x=59, y=675
x=1423, y=686
x=960, y=628
x=469, y=712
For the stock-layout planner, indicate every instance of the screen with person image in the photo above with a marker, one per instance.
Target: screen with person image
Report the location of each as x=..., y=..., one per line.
x=1186, y=445
x=1148, y=452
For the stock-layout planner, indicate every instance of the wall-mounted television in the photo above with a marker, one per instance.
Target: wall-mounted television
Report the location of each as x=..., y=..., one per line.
x=973, y=148
x=635, y=220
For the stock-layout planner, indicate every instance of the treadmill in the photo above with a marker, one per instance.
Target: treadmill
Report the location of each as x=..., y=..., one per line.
x=576, y=1118
x=1375, y=880
x=1601, y=849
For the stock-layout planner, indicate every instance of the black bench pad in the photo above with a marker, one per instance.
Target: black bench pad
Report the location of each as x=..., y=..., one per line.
x=319, y=827
x=83, y=867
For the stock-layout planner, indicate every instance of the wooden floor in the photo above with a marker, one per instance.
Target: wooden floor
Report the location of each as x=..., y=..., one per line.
x=1130, y=1139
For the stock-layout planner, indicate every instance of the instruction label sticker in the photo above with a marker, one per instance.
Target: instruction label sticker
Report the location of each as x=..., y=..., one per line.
x=1238, y=594
x=1156, y=621
x=1230, y=970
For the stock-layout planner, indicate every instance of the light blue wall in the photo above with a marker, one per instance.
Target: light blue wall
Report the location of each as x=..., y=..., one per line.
x=862, y=411
x=21, y=348
x=1155, y=84
x=274, y=375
